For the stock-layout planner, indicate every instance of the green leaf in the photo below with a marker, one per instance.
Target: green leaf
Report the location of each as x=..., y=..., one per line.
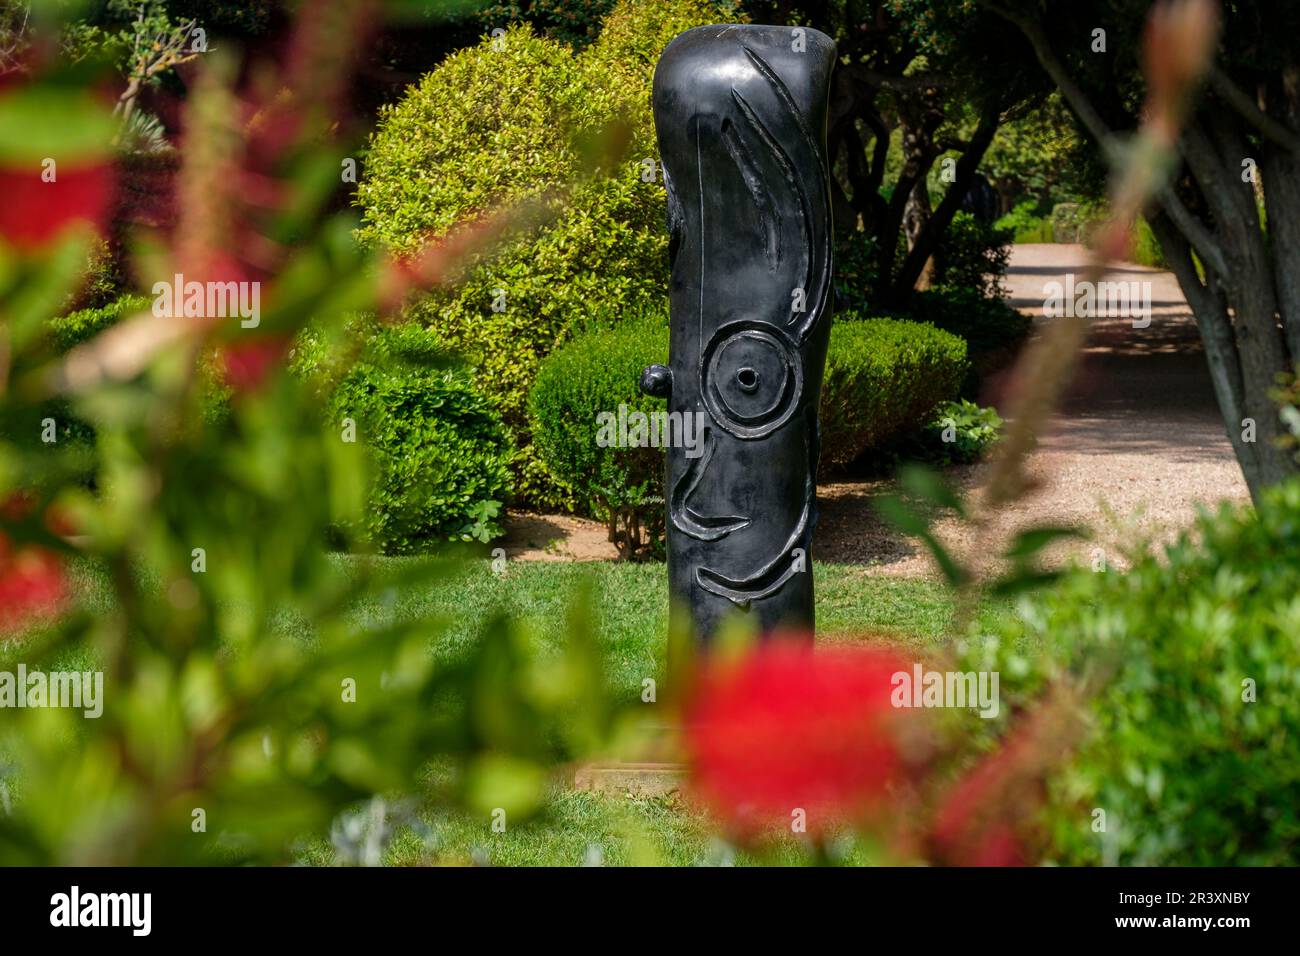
x=928, y=485
x=70, y=126
x=1029, y=542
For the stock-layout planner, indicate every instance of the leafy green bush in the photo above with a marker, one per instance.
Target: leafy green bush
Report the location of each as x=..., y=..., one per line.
x=1146, y=248
x=82, y=325
x=883, y=376
x=856, y=270
x=595, y=374
x=513, y=119
x=1194, y=751
x=1026, y=224
x=440, y=455
x=972, y=256
x=959, y=433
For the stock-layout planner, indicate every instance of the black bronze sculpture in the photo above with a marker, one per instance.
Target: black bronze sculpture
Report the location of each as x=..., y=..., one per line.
x=740, y=113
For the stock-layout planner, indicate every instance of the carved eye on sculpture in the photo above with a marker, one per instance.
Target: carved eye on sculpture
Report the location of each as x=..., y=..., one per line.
x=753, y=378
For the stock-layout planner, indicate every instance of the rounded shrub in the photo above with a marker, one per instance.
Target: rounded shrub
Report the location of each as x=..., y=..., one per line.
x=883, y=377
x=1194, y=742
x=593, y=376
x=513, y=119
x=440, y=455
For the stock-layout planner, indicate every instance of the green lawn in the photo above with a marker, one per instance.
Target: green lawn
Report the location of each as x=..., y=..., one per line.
x=631, y=604
x=631, y=619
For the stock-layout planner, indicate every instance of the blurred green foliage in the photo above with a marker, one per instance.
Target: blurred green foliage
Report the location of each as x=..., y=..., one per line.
x=244, y=710
x=1194, y=744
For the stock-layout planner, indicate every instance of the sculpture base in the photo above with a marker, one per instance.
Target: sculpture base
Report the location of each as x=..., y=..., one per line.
x=652, y=766
x=631, y=779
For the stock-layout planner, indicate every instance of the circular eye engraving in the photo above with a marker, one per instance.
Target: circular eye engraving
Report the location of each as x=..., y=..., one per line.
x=752, y=378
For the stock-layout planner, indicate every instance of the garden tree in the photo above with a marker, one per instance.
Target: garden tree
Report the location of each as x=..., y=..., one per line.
x=1041, y=154
x=1228, y=221
x=14, y=33
x=934, y=77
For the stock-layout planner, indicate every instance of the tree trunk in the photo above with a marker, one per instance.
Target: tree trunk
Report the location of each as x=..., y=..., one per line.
x=928, y=241
x=916, y=216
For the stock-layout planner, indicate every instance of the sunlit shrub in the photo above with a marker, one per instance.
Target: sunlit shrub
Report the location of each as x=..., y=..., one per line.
x=507, y=121
x=883, y=377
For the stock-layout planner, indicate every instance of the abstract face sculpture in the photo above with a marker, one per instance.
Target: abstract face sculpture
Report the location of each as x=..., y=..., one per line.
x=741, y=117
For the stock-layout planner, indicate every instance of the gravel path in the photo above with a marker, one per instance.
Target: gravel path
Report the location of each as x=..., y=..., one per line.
x=1139, y=442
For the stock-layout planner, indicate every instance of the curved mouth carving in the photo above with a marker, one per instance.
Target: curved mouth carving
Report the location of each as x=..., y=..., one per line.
x=687, y=520
x=772, y=576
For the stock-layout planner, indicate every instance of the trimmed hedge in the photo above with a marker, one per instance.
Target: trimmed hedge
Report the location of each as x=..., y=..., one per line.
x=1194, y=749
x=989, y=326
x=597, y=373
x=506, y=121
x=441, y=457
x=883, y=377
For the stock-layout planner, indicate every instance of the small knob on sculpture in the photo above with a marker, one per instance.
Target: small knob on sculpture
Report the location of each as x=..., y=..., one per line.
x=657, y=380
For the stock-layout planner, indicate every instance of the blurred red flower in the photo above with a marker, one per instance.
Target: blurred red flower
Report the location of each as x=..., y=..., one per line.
x=246, y=365
x=35, y=212
x=32, y=585
x=986, y=818
x=788, y=728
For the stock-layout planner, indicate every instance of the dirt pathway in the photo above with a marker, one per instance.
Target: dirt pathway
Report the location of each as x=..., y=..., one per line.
x=1138, y=443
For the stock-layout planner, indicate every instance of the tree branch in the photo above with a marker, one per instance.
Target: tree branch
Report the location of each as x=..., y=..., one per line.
x=1250, y=111
x=1072, y=91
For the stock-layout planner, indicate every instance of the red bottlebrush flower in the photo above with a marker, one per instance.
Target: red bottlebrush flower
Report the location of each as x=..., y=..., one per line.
x=36, y=212
x=247, y=365
x=32, y=585
x=983, y=819
x=789, y=728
